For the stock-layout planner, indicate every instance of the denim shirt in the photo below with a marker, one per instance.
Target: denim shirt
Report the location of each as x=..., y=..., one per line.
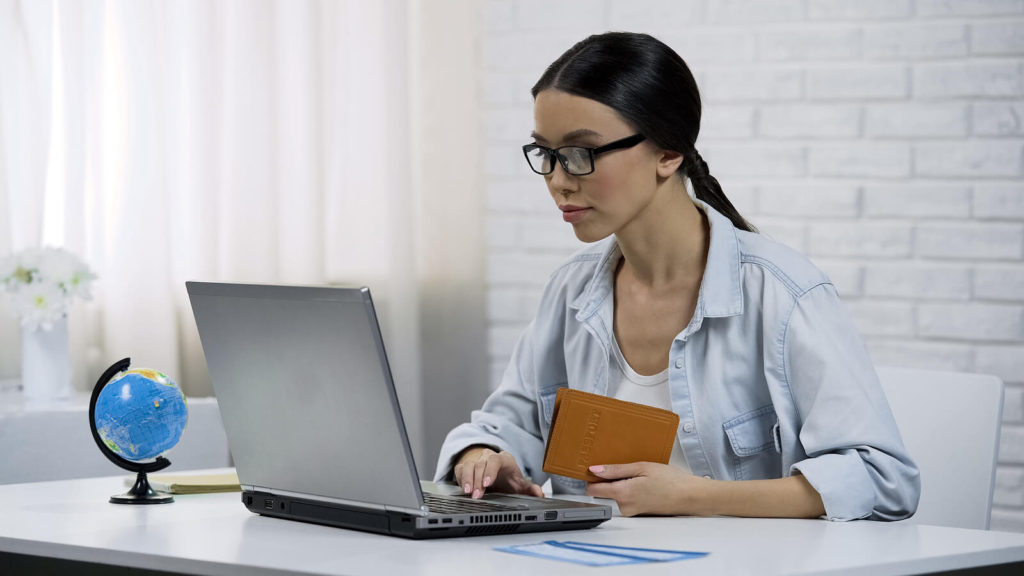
x=770, y=378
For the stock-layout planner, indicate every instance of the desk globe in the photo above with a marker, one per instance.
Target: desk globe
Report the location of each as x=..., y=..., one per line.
x=137, y=415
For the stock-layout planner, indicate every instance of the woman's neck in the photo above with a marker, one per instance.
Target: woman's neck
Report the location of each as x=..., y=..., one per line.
x=667, y=244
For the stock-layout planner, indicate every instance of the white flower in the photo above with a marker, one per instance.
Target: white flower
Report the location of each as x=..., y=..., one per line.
x=55, y=266
x=63, y=269
x=80, y=283
x=40, y=304
x=43, y=282
x=29, y=258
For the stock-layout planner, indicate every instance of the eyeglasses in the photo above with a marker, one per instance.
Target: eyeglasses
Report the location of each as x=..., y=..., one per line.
x=576, y=160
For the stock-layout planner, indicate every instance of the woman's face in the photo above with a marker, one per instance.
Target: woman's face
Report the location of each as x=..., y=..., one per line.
x=623, y=182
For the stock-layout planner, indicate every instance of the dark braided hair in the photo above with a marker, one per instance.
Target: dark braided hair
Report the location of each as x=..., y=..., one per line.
x=650, y=86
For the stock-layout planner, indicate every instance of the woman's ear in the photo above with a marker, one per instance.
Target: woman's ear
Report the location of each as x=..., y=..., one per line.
x=669, y=163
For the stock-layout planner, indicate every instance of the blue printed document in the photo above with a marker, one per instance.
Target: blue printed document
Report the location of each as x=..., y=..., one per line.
x=597, y=554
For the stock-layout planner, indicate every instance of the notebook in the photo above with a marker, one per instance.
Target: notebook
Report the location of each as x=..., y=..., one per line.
x=314, y=424
x=190, y=483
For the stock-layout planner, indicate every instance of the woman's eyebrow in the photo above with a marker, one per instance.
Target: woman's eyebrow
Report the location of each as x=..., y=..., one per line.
x=574, y=135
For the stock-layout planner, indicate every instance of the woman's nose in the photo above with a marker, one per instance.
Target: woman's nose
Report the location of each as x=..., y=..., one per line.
x=560, y=181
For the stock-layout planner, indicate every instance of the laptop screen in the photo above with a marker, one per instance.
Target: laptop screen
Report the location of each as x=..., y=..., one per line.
x=305, y=392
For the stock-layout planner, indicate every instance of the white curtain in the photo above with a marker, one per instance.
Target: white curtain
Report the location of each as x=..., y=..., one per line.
x=256, y=140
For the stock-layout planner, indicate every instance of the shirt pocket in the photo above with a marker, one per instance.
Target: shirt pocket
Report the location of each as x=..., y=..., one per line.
x=559, y=484
x=752, y=442
x=546, y=396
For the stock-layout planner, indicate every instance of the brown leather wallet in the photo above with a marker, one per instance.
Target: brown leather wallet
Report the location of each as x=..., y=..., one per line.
x=589, y=429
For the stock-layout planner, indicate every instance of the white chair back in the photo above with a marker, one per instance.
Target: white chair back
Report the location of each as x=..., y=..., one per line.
x=950, y=425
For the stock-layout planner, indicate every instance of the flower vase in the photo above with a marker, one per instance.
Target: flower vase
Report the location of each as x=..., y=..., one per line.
x=46, y=363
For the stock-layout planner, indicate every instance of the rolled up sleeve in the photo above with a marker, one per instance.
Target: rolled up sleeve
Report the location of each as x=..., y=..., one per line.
x=856, y=459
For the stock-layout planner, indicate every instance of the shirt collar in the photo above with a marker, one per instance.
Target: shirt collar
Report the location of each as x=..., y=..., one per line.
x=720, y=291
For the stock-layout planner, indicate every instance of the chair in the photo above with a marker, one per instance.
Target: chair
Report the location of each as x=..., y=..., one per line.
x=950, y=425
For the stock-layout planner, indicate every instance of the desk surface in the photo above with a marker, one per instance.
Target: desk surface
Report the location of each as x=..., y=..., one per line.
x=215, y=534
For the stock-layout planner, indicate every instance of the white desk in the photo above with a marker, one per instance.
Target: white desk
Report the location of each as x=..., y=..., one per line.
x=214, y=534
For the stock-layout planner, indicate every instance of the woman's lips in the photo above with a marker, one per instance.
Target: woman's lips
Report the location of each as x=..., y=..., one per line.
x=573, y=214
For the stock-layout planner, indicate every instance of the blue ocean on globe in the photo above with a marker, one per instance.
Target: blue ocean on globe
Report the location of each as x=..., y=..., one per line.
x=140, y=414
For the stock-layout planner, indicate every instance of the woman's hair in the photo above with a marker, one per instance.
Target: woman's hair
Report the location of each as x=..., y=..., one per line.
x=651, y=87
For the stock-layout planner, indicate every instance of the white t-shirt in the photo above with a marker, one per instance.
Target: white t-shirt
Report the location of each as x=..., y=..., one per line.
x=625, y=384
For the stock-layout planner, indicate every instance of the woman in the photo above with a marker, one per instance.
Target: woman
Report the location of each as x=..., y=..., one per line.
x=679, y=303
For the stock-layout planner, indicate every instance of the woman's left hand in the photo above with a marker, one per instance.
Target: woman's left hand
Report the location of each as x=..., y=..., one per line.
x=649, y=488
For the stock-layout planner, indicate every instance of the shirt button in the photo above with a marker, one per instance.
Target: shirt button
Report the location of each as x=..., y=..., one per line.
x=688, y=427
x=679, y=362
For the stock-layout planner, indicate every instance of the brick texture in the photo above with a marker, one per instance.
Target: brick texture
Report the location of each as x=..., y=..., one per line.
x=998, y=118
x=917, y=200
x=953, y=8
x=890, y=41
x=905, y=120
x=862, y=10
x=883, y=138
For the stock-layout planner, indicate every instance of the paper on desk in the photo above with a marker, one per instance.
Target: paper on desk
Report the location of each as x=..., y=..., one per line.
x=192, y=483
x=597, y=554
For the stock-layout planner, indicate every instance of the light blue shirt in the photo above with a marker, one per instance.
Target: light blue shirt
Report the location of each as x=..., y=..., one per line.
x=770, y=378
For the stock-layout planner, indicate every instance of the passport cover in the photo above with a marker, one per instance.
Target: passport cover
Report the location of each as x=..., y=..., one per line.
x=588, y=429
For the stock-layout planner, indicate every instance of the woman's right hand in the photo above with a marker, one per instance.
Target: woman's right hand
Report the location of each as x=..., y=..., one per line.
x=480, y=468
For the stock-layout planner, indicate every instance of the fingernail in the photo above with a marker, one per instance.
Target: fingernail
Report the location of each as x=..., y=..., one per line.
x=477, y=494
x=487, y=481
x=466, y=488
x=597, y=469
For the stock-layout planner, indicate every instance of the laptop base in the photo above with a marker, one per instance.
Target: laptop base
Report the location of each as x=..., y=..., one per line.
x=403, y=524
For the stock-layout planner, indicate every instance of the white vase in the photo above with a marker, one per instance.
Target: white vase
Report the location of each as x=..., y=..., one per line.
x=46, y=363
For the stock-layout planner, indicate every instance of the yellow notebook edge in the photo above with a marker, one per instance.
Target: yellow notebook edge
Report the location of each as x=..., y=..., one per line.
x=191, y=483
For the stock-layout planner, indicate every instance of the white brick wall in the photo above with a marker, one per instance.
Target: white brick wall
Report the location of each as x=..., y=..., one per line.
x=889, y=41
x=884, y=138
x=998, y=118
x=810, y=121
x=917, y=120
x=917, y=200
x=857, y=81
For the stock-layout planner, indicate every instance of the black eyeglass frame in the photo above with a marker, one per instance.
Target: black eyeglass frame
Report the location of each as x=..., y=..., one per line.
x=627, y=142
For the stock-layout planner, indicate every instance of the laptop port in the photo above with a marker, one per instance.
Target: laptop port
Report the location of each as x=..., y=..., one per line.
x=446, y=521
x=550, y=515
x=432, y=521
x=268, y=503
x=531, y=518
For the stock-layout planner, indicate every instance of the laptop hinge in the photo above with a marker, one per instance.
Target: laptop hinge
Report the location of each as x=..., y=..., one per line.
x=424, y=511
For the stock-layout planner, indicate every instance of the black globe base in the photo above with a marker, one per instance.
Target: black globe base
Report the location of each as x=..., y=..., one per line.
x=142, y=493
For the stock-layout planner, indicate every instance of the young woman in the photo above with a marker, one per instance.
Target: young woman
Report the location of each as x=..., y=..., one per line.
x=679, y=303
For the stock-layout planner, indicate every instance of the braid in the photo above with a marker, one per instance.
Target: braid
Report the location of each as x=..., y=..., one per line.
x=707, y=189
x=695, y=167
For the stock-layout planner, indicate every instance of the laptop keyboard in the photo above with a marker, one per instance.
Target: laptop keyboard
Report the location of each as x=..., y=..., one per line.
x=440, y=504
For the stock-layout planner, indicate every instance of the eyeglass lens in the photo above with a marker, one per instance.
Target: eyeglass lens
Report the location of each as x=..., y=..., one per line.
x=575, y=160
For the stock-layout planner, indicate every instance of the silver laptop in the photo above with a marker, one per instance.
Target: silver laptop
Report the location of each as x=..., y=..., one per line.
x=314, y=425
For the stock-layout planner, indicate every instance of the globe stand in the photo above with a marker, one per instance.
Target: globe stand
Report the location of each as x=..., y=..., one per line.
x=141, y=492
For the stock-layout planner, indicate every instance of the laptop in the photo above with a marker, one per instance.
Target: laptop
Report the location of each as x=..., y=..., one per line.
x=314, y=426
